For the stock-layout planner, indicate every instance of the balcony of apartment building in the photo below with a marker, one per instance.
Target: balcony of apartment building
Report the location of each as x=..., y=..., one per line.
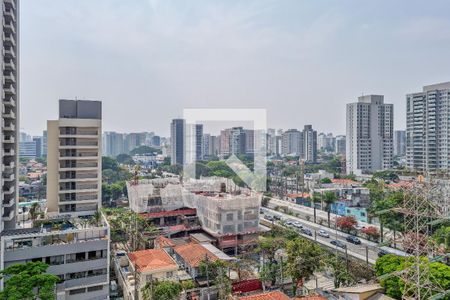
x=78, y=154
x=9, y=53
x=78, y=132
x=9, y=26
x=77, y=208
x=9, y=77
x=8, y=113
x=79, y=197
x=8, y=139
x=10, y=4
x=70, y=165
x=74, y=176
x=73, y=143
x=72, y=187
x=7, y=214
x=9, y=89
x=8, y=177
x=9, y=126
x=9, y=65
x=9, y=101
x=8, y=192
x=9, y=152
x=9, y=13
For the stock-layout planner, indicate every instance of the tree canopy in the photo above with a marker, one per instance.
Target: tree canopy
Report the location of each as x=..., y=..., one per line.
x=28, y=281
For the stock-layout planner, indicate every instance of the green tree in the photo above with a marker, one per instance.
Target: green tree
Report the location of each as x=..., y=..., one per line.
x=304, y=258
x=161, y=290
x=144, y=150
x=329, y=198
x=28, y=281
x=109, y=163
x=316, y=198
x=117, y=190
x=125, y=159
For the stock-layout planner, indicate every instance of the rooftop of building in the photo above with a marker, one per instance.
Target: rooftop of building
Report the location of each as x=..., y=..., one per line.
x=437, y=86
x=274, y=295
x=151, y=260
x=53, y=223
x=358, y=289
x=193, y=254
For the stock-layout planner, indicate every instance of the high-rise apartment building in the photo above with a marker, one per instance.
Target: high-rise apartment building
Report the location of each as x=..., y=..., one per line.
x=369, y=135
x=27, y=149
x=198, y=142
x=177, y=141
x=428, y=129
x=340, y=144
x=38, y=141
x=400, y=143
x=309, y=144
x=74, y=161
x=292, y=143
x=113, y=143
x=10, y=116
x=44, y=143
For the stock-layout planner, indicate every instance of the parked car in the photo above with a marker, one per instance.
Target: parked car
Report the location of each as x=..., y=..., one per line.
x=277, y=217
x=353, y=239
x=360, y=227
x=338, y=244
x=324, y=234
x=306, y=231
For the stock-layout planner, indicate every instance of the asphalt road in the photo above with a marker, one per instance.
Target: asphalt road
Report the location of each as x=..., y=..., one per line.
x=367, y=251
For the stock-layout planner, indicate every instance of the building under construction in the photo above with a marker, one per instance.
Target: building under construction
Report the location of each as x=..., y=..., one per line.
x=226, y=212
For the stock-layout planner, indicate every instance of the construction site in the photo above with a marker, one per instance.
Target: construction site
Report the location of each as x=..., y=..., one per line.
x=216, y=206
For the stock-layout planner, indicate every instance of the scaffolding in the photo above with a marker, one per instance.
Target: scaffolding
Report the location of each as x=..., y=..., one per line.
x=424, y=203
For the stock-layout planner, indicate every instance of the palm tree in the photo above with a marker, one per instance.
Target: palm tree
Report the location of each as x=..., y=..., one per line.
x=96, y=217
x=34, y=211
x=329, y=198
x=316, y=198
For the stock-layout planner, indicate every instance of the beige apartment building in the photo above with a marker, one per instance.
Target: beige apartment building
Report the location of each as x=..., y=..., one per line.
x=74, y=158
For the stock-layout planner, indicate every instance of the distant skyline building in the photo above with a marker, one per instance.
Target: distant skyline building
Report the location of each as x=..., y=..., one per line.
x=44, y=143
x=400, y=142
x=340, y=144
x=428, y=129
x=292, y=143
x=309, y=144
x=27, y=149
x=369, y=135
x=38, y=142
x=113, y=143
x=74, y=162
x=177, y=141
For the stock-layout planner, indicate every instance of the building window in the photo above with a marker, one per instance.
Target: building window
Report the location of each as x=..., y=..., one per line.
x=230, y=217
x=95, y=288
x=77, y=291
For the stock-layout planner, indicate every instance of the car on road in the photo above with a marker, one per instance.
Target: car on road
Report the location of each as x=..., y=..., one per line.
x=324, y=234
x=277, y=217
x=353, y=239
x=268, y=217
x=338, y=243
x=382, y=253
x=298, y=224
x=306, y=231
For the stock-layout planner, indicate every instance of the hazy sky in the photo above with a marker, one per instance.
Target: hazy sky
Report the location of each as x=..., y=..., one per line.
x=301, y=60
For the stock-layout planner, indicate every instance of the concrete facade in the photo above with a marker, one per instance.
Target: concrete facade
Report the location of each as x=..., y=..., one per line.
x=74, y=161
x=428, y=129
x=369, y=135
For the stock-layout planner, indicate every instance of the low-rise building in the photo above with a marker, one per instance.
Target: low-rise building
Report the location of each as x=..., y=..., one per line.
x=76, y=250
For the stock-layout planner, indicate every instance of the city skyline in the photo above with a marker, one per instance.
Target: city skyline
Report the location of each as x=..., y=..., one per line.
x=227, y=55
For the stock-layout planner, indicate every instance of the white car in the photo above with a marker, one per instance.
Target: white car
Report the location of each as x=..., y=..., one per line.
x=298, y=224
x=324, y=234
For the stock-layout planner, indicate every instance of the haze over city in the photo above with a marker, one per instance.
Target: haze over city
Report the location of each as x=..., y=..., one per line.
x=301, y=60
